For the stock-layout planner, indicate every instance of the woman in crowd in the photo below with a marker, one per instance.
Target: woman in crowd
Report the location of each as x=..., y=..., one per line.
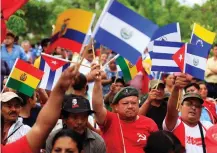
x=169, y=81
x=67, y=141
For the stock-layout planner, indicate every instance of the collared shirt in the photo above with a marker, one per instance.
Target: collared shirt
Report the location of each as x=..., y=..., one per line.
x=93, y=142
x=211, y=63
x=23, y=130
x=10, y=58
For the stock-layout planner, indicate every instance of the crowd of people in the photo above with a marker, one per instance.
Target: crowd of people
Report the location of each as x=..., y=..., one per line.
x=178, y=114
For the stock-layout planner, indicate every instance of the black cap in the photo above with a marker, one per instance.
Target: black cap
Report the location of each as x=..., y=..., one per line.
x=192, y=95
x=76, y=104
x=125, y=92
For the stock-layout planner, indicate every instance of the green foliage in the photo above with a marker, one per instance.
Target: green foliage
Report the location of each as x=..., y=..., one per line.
x=38, y=16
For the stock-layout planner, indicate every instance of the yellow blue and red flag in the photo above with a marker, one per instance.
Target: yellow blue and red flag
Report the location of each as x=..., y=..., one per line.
x=71, y=29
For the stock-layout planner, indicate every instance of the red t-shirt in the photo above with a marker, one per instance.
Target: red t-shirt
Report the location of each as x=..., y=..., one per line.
x=135, y=134
x=19, y=146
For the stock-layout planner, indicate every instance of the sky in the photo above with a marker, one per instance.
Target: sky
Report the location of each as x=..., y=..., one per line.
x=192, y=2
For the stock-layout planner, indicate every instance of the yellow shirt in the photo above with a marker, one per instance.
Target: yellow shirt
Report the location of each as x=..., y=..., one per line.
x=211, y=63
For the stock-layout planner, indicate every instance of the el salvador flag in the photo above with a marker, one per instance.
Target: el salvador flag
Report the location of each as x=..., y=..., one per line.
x=170, y=32
x=195, y=61
x=123, y=31
x=162, y=56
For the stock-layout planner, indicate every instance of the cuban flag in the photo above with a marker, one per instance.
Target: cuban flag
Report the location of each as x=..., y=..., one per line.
x=170, y=32
x=192, y=60
x=162, y=56
x=53, y=68
x=123, y=31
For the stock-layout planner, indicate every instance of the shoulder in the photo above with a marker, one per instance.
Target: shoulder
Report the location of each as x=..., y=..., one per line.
x=206, y=124
x=147, y=120
x=95, y=135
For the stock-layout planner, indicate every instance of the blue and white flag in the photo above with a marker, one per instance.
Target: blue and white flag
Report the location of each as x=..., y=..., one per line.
x=162, y=56
x=123, y=31
x=53, y=68
x=170, y=32
x=193, y=61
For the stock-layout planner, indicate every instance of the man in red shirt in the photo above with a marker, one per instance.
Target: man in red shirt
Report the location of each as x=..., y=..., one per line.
x=124, y=131
x=46, y=119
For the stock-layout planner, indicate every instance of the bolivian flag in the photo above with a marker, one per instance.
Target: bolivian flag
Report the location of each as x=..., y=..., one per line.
x=24, y=77
x=71, y=29
x=202, y=37
x=128, y=69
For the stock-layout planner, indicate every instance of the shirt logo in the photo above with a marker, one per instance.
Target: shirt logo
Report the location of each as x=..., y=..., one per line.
x=126, y=33
x=194, y=141
x=23, y=77
x=141, y=137
x=74, y=103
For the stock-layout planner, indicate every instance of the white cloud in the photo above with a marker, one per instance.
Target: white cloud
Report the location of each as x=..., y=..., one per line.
x=192, y=2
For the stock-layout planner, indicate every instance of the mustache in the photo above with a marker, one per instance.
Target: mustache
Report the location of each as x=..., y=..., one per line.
x=13, y=113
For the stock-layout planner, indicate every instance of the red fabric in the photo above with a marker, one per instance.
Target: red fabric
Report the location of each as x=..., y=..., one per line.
x=3, y=30
x=211, y=110
x=179, y=56
x=211, y=139
x=66, y=44
x=19, y=146
x=145, y=83
x=11, y=6
x=179, y=132
x=133, y=133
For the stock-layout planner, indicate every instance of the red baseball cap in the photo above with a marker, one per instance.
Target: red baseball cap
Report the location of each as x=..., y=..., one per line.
x=211, y=139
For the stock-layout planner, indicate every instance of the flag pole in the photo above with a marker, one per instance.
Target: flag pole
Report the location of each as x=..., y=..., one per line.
x=158, y=80
x=93, y=50
x=115, y=57
x=100, y=54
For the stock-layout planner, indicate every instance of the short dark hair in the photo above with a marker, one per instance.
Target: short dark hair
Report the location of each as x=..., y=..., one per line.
x=24, y=97
x=192, y=84
x=69, y=133
x=215, y=45
x=163, y=141
x=44, y=42
x=80, y=82
x=201, y=82
x=11, y=34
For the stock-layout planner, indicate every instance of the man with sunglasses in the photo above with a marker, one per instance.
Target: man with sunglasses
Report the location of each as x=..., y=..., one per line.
x=188, y=128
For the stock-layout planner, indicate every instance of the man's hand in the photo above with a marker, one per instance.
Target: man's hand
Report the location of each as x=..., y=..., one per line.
x=153, y=95
x=67, y=78
x=182, y=80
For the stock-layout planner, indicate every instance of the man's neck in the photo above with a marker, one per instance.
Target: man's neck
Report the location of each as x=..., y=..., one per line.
x=25, y=111
x=79, y=93
x=8, y=124
x=215, y=58
x=169, y=88
x=156, y=103
x=133, y=119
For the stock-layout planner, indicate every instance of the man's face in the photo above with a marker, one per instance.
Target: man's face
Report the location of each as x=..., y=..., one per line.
x=128, y=108
x=160, y=94
x=26, y=47
x=89, y=55
x=77, y=122
x=104, y=58
x=112, y=65
x=9, y=40
x=192, y=89
x=191, y=110
x=215, y=51
x=203, y=91
x=11, y=110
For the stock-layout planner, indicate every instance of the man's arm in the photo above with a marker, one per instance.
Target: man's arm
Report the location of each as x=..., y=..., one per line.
x=50, y=113
x=143, y=110
x=97, y=98
x=172, y=113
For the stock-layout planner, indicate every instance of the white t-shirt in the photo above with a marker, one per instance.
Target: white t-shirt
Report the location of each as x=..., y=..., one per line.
x=193, y=141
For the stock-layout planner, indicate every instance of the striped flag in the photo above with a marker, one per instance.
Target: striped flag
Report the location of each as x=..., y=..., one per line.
x=170, y=32
x=24, y=77
x=123, y=31
x=53, y=68
x=202, y=37
x=192, y=60
x=128, y=69
x=162, y=56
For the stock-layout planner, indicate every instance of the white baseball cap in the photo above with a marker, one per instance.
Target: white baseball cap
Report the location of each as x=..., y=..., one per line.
x=7, y=96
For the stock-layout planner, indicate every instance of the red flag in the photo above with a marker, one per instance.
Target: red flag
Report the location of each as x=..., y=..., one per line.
x=53, y=62
x=179, y=57
x=3, y=30
x=11, y=6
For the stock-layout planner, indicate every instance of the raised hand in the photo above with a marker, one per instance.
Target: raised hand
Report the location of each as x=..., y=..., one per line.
x=152, y=95
x=182, y=80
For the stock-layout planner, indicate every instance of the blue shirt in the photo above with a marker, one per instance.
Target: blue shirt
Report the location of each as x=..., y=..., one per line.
x=205, y=115
x=10, y=58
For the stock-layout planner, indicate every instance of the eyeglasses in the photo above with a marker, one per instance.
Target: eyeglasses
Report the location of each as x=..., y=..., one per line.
x=191, y=103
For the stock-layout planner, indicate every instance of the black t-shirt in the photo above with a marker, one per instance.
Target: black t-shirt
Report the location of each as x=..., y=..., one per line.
x=158, y=113
x=30, y=121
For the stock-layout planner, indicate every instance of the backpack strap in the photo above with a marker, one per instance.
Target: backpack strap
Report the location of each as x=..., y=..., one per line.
x=202, y=137
x=5, y=140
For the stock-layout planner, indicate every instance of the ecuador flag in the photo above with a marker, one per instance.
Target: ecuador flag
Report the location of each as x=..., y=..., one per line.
x=129, y=70
x=71, y=29
x=24, y=77
x=202, y=37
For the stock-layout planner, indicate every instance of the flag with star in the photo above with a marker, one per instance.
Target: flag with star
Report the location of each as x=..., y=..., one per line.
x=191, y=59
x=53, y=68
